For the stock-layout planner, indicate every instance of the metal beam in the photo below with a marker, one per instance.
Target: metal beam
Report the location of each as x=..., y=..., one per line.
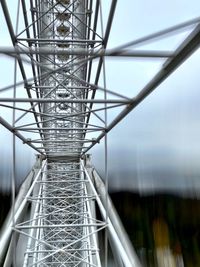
x=83, y=52
x=189, y=46
x=26, y=191
x=160, y=34
x=114, y=217
x=16, y=133
x=93, y=38
x=14, y=41
x=59, y=225
x=59, y=129
x=50, y=100
x=128, y=262
x=105, y=42
x=12, y=35
x=43, y=40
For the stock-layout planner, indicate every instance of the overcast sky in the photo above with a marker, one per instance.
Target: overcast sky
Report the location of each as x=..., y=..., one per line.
x=157, y=145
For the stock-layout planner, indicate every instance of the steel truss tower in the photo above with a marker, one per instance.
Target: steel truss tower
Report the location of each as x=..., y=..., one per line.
x=61, y=228
x=64, y=44
x=62, y=220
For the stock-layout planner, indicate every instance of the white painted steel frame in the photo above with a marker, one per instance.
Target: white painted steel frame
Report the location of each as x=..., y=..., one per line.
x=62, y=231
x=121, y=246
x=63, y=227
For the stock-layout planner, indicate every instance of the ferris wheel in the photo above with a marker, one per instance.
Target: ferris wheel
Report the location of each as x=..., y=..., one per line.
x=58, y=102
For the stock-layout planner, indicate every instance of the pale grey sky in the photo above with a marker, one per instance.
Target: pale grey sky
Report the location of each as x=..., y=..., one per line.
x=163, y=132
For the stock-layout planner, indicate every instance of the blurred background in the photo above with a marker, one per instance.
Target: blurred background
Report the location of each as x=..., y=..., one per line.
x=153, y=154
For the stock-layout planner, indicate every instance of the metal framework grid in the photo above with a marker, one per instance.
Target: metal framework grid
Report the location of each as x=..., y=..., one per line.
x=60, y=41
x=62, y=230
x=61, y=226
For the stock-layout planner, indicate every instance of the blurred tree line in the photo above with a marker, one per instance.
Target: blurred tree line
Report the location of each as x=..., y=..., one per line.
x=5, y=203
x=164, y=228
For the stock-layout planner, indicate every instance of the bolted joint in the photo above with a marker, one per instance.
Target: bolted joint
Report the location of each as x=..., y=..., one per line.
x=28, y=86
x=27, y=141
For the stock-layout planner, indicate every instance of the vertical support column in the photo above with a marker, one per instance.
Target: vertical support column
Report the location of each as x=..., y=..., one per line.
x=65, y=21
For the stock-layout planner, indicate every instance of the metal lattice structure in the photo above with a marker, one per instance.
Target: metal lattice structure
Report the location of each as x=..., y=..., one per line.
x=60, y=41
